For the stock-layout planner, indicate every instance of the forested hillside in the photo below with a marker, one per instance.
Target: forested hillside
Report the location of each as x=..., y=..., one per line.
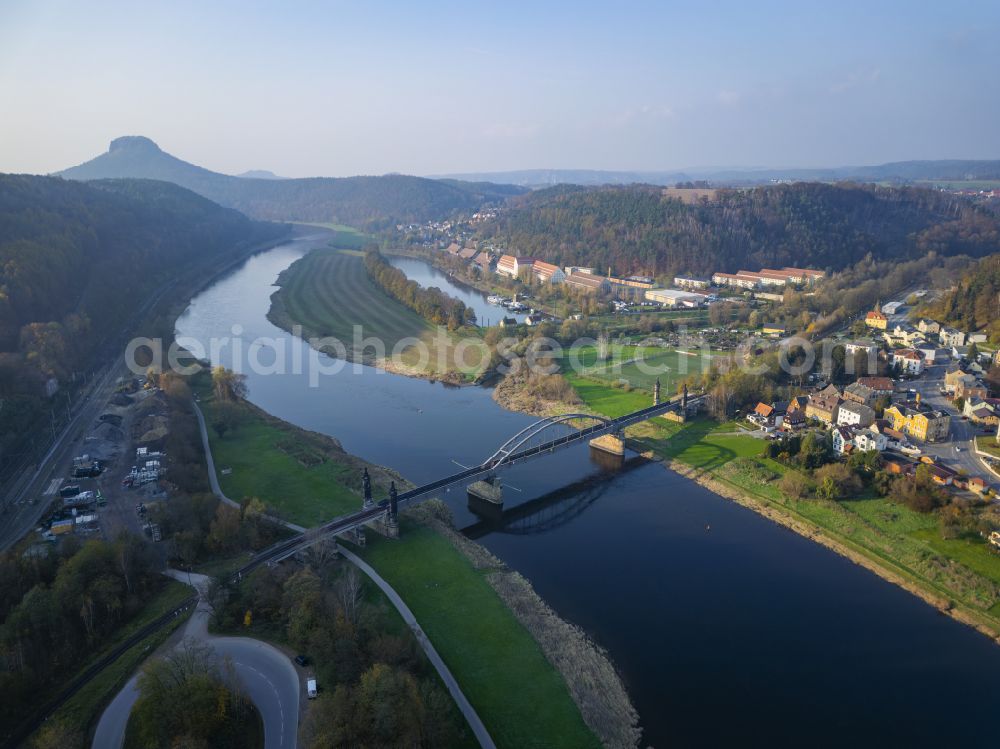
x=365, y=202
x=643, y=229
x=974, y=303
x=77, y=261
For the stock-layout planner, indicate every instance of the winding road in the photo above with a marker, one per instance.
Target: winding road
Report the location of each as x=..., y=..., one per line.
x=268, y=676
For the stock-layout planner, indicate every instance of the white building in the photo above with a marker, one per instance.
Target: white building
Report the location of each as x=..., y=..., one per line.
x=855, y=414
x=866, y=440
x=675, y=297
x=909, y=361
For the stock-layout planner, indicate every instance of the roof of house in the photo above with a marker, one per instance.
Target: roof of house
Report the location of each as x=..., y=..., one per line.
x=467, y=253
x=540, y=266
x=875, y=315
x=881, y=384
x=909, y=354
x=764, y=409
x=589, y=280
x=858, y=408
x=846, y=433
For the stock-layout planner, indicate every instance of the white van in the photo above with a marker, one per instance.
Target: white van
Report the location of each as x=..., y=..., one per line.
x=311, y=688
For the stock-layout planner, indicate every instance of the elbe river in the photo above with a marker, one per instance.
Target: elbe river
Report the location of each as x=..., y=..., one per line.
x=725, y=627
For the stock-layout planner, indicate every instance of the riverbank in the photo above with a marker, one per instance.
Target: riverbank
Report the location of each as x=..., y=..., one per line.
x=959, y=577
x=328, y=294
x=504, y=671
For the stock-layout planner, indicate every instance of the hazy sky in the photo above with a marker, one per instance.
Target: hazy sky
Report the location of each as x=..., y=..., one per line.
x=425, y=87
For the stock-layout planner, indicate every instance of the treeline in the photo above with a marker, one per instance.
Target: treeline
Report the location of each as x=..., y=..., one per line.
x=78, y=262
x=431, y=304
x=640, y=229
x=59, y=607
x=848, y=293
x=195, y=523
x=974, y=302
x=377, y=689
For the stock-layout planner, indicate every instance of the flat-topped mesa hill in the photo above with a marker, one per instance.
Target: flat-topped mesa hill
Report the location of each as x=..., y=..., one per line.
x=370, y=202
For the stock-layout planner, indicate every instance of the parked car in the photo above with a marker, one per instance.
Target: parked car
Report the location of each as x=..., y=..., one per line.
x=301, y=660
x=311, y=688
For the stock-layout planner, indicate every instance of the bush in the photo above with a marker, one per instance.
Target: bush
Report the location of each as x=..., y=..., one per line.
x=837, y=481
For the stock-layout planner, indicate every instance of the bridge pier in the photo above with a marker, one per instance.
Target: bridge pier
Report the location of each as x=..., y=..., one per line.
x=611, y=444
x=488, y=490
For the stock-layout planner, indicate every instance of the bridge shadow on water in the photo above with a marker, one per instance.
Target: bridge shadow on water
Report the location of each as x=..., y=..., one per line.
x=550, y=511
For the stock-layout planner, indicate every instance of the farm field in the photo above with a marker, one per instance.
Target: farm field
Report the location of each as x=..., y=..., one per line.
x=328, y=293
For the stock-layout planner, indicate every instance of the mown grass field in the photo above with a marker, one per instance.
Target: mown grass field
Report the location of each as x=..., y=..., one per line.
x=291, y=471
x=903, y=542
x=638, y=366
x=328, y=293
x=521, y=699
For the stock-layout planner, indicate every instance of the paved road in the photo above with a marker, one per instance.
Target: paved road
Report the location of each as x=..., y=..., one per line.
x=270, y=680
x=962, y=433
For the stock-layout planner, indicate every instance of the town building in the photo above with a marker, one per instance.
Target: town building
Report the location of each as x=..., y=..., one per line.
x=866, y=440
x=589, y=282
x=949, y=337
x=843, y=440
x=691, y=282
x=909, y=361
x=929, y=327
x=861, y=345
x=923, y=425
x=577, y=269
x=547, y=272
x=855, y=414
x=875, y=319
x=824, y=405
x=511, y=265
x=856, y=392
x=880, y=386
x=675, y=298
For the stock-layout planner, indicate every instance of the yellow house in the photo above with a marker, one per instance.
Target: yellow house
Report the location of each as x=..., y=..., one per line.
x=926, y=426
x=875, y=319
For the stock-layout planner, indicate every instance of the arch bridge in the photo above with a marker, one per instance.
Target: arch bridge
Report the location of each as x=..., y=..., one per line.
x=532, y=441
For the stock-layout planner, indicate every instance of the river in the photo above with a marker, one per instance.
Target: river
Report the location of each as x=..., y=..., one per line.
x=427, y=276
x=725, y=627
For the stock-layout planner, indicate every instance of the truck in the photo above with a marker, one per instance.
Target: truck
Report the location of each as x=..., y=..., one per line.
x=83, y=499
x=69, y=491
x=311, y=688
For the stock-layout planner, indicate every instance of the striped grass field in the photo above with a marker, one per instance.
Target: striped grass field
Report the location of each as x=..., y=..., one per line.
x=328, y=292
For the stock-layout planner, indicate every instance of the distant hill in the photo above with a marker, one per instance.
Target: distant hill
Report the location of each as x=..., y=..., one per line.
x=974, y=303
x=364, y=202
x=901, y=171
x=259, y=174
x=656, y=231
x=94, y=249
x=78, y=261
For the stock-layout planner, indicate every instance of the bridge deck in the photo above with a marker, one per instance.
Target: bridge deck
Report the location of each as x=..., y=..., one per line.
x=349, y=522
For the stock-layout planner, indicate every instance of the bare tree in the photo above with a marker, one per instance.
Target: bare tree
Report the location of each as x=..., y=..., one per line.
x=349, y=594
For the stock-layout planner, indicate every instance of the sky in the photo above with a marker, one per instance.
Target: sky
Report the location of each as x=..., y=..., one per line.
x=433, y=87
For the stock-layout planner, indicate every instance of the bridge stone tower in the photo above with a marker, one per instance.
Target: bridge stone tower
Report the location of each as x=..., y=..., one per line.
x=366, y=483
x=392, y=521
x=656, y=392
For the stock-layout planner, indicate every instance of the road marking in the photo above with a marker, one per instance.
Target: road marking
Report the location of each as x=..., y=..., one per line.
x=52, y=488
